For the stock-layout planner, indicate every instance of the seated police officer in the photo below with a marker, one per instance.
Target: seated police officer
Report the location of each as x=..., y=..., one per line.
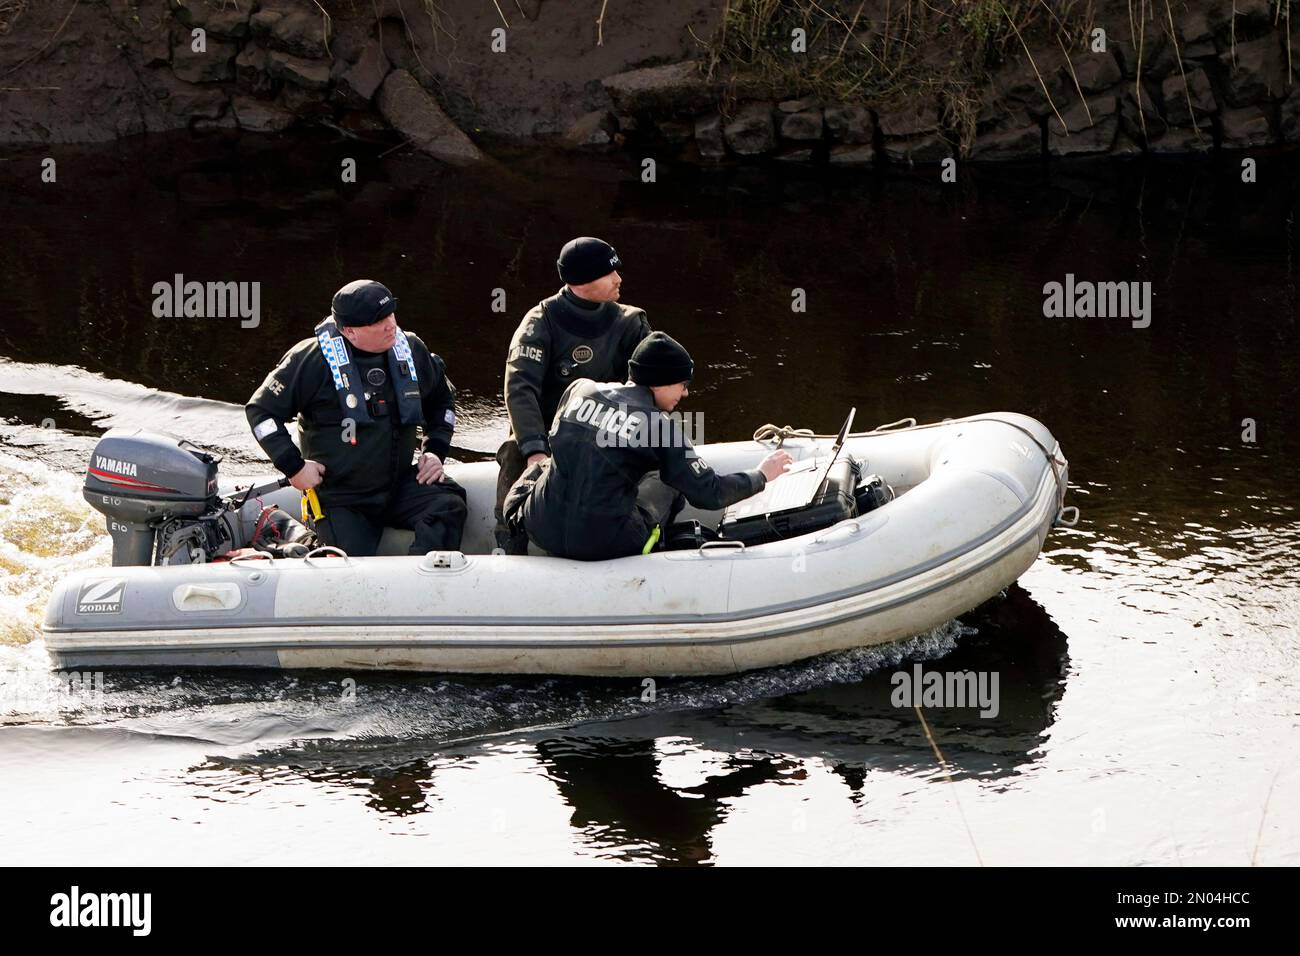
x=580, y=332
x=596, y=497
x=360, y=388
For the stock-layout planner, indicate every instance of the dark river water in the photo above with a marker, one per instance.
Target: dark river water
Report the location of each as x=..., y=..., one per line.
x=1148, y=662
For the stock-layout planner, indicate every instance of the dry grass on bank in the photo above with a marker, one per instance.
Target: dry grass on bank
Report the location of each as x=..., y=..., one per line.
x=940, y=49
x=10, y=10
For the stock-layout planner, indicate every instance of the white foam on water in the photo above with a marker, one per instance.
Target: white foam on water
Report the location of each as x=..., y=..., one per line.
x=218, y=427
x=559, y=704
x=47, y=531
x=842, y=667
x=114, y=403
x=271, y=709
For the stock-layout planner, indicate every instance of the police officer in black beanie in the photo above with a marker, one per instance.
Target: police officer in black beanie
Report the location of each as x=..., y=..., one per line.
x=582, y=331
x=620, y=465
x=360, y=388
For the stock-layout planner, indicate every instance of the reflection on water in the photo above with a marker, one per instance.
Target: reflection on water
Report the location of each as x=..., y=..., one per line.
x=1012, y=637
x=620, y=803
x=1156, y=736
x=616, y=772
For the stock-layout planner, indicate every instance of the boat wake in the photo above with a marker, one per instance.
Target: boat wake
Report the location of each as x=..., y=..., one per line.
x=86, y=403
x=57, y=412
x=328, y=711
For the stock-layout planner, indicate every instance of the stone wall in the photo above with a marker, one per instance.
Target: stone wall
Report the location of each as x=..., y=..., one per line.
x=82, y=71
x=390, y=69
x=1222, y=81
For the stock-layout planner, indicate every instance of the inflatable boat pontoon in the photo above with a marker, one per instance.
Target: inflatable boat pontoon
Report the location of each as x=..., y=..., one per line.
x=976, y=497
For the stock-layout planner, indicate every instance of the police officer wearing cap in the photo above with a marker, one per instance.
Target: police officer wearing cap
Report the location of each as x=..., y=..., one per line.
x=582, y=331
x=360, y=388
x=621, y=465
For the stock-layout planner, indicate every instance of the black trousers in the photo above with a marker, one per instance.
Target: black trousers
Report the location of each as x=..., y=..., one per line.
x=436, y=513
x=657, y=505
x=510, y=466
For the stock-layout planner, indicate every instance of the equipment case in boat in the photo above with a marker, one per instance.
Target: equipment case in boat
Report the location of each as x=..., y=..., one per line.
x=749, y=521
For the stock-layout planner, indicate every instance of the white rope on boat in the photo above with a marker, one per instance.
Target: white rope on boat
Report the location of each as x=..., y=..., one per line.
x=780, y=433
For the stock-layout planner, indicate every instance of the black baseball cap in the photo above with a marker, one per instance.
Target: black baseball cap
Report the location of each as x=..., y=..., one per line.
x=363, y=302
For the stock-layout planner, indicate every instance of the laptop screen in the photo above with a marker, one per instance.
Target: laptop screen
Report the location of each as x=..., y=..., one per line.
x=835, y=453
x=797, y=488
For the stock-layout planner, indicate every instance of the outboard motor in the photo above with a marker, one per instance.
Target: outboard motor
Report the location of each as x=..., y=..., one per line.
x=159, y=495
x=143, y=481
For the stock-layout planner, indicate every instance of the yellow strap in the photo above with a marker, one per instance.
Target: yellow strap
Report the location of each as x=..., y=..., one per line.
x=311, y=509
x=651, y=541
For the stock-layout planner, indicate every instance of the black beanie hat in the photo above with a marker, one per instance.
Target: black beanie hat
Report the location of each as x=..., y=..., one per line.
x=660, y=360
x=362, y=302
x=587, y=259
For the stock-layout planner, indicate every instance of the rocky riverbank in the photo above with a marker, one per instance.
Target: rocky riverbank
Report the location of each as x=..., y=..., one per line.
x=452, y=79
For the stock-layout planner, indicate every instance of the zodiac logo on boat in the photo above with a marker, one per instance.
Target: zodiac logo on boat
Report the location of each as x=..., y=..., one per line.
x=101, y=597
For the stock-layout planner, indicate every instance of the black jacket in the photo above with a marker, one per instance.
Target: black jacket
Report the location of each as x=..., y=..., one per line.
x=558, y=342
x=301, y=386
x=605, y=439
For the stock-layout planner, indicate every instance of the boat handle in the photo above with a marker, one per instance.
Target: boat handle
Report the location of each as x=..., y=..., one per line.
x=198, y=597
x=258, y=556
x=324, y=549
x=1062, y=521
x=901, y=423
x=852, y=526
x=722, y=545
